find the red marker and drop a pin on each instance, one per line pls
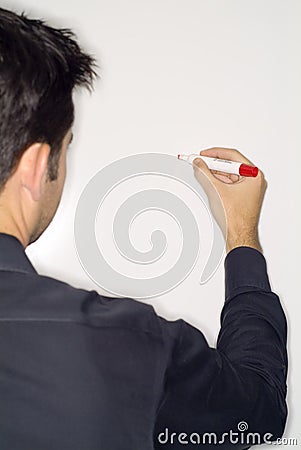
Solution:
(223, 165)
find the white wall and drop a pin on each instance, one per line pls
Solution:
(181, 76)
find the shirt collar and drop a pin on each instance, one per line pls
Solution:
(12, 255)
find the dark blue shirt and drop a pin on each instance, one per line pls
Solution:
(82, 371)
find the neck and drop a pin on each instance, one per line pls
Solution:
(14, 225)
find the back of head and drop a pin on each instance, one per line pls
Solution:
(39, 68)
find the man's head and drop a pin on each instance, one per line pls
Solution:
(39, 68)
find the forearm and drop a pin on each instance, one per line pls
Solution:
(253, 325)
(248, 293)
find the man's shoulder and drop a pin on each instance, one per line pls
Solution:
(46, 297)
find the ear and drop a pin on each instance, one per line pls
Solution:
(32, 168)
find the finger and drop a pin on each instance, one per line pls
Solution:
(200, 167)
(226, 153)
(204, 175)
(232, 176)
(228, 178)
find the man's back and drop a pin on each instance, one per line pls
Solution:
(78, 371)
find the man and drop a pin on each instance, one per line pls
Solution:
(80, 371)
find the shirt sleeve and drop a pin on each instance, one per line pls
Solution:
(233, 395)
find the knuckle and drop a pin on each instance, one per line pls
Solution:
(236, 151)
(260, 175)
(262, 179)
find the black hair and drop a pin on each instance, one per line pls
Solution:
(39, 68)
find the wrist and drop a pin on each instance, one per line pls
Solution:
(245, 238)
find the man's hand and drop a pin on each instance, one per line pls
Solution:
(241, 198)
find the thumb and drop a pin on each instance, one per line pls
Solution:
(212, 187)
(202, 173)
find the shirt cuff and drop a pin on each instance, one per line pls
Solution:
(245, 271)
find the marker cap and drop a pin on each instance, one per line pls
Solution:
(248, 171)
